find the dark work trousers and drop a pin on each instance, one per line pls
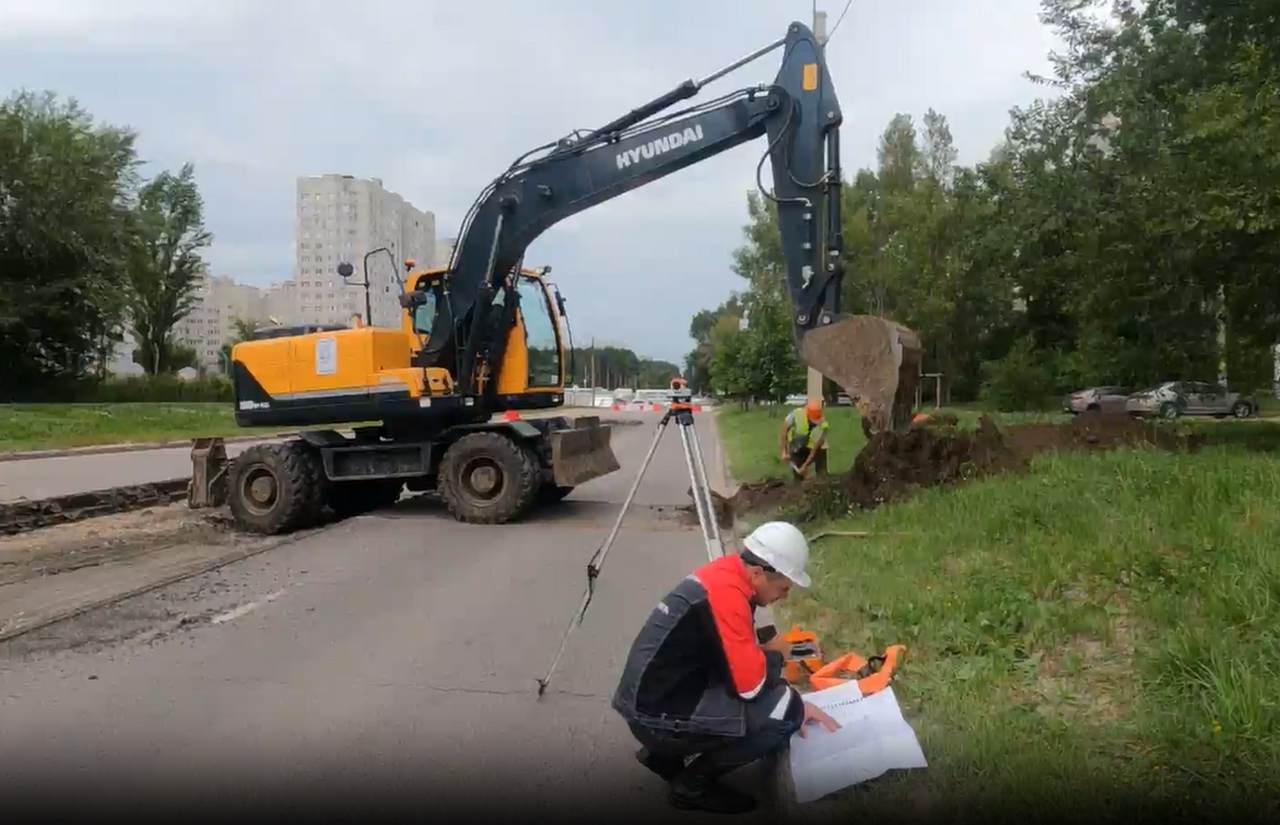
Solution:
(819, 464)
(725, 753)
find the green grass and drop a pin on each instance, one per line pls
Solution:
(1099, 632)
(751, 436)
(49, 426)
(751, 440)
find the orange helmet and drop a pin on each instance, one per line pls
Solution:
(813, 409)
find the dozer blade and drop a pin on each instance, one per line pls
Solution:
(582, 453)
(875, 360)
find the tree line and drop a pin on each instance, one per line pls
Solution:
(1124, 231)
(613, 367)
(88, 248)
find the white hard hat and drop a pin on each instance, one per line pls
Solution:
(783, 547)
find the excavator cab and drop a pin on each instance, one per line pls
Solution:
(532, 358)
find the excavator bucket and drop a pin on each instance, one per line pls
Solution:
(582, 452)
(875, 360)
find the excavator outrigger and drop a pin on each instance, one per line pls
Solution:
(467, 346)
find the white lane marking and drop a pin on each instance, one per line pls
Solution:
(236, 613)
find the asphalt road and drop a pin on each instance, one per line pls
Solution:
(390, 660)
(35, 478)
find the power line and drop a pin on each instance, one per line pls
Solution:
(838, 22)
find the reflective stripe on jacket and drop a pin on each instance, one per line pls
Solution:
(798, 427)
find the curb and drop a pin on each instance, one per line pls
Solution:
(730, 483)
(24, 515)
(127, 447)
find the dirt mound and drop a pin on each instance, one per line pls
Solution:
(1094, 431)
(892, 463)
(935, 453)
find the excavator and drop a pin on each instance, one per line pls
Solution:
(482, 336)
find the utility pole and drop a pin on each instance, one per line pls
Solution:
(813, 382)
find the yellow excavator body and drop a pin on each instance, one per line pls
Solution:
(347, 374)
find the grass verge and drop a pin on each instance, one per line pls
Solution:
(1098, 637)
(52, 426)
(751, 436)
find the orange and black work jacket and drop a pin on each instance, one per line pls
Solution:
(697, 662)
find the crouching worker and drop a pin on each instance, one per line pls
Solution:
(699, 691)
(802, 441)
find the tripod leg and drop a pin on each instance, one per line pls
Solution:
(706, 484)
(626, 504)
(700, 502)
(597, 559)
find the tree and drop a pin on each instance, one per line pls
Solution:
(65, 187)
(703, 329)
(1126, 230)
(242, 330)
(898, 155)
(167, 264)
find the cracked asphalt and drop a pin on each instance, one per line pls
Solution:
(386, 662)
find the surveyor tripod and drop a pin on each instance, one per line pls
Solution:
(680, 411)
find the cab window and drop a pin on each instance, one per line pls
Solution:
(539, 335)
(424, 315)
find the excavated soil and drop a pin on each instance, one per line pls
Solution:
(935, 453)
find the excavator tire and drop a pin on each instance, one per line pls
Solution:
(354, 498)
(275, 488)
(488, 478)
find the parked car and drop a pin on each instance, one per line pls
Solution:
(1097, 399)
(1174, 398)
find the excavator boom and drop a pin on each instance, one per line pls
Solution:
(875, 360)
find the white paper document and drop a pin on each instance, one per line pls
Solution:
(873, 738)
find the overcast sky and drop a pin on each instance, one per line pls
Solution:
(435, 98)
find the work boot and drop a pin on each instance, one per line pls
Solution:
(665, 766)
(696, 788)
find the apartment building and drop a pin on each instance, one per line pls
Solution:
(341, 218)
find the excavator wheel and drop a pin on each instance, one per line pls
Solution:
(274, 488)
(875, 360)
(488, 478)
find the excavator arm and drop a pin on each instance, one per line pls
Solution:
(876, 361)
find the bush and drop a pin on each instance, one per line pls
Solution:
(131, 389)
(1019, 381)
(161, 388)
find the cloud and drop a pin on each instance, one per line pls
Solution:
(437, 98)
